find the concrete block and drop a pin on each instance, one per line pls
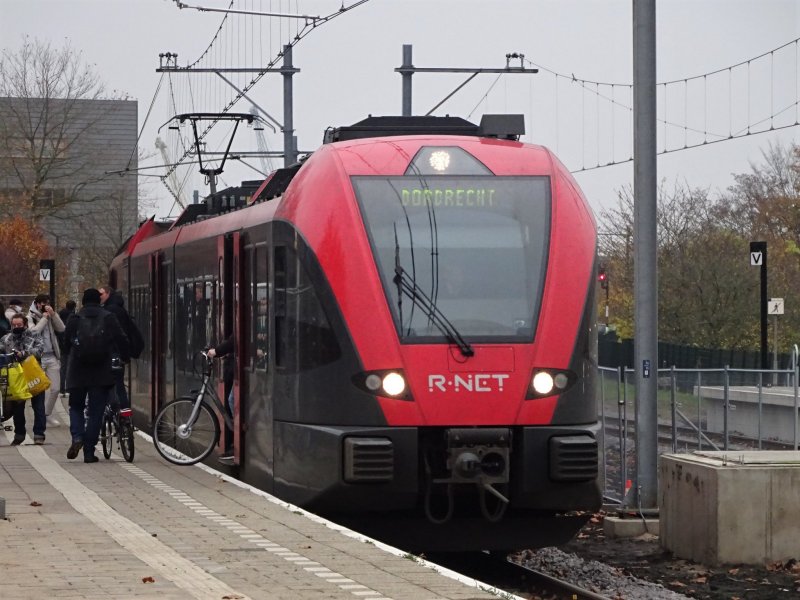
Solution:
(628, 527)
(730, 507)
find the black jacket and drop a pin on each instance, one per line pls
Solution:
(115, 304)
(64, 315)
(85, 376)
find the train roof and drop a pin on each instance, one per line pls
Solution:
(507, 127)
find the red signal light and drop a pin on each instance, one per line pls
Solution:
(602, 277)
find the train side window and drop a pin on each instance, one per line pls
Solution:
(211, 313)
(248, 296)
(261, 309)
(198, 314)
(181, 327)
(304, 338)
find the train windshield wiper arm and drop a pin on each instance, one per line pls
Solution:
(418, 297)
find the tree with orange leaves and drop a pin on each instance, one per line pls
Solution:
(22, 246)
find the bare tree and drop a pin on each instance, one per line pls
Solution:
(48, 143)
(704, 288)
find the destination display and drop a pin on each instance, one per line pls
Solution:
(449, 197)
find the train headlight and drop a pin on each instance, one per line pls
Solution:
(390, 383)
(547, 382)
(543, 383)
(373, 382)
(393, 384)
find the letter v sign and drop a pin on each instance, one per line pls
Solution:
(756, 259)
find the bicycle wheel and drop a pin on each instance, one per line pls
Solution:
(126, 438)
(181, 442)
(107, 434)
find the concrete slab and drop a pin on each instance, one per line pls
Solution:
(629, 527)
(731, 507)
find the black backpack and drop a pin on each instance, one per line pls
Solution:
(91, 342)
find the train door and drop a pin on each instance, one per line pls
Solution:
(231, 321)
(161, 369)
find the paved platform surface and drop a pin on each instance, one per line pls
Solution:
(113, 530)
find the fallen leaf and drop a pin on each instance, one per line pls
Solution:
(148, 580)
(733, 571)
(35, 503)
(700, 579)
(677, 584)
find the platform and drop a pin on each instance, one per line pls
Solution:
(769, 413)
(155, 530)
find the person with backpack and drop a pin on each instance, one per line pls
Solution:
(114, 303)
(93, 338)
(46, 322)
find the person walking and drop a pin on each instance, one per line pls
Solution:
(226, 349)
(92, 338)
(64, 314)
(24, 343)
(14, 307)
(46, 322)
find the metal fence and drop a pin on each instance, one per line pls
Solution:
(698, 409)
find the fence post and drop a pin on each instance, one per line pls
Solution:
(672, 390)
(796, 373)
(726, 404)
(622, 409)
(699, 410)
(760, 399)
(603, 424)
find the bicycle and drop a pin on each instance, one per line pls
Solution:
(186, 430)
(116, 424)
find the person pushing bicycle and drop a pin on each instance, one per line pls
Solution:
(227, 350)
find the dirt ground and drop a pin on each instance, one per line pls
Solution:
(644, 558)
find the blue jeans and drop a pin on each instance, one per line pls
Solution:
(39, 418)
(86, 428)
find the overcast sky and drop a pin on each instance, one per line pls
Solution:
(347, 70)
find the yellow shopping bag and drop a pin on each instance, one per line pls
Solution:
(37, 381)
(17, 385)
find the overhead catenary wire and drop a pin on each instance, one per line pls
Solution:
(696, 91)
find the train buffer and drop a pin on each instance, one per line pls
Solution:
(149, 529)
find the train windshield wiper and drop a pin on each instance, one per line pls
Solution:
(409, 287)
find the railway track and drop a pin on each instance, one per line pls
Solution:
(496, 570)
(687, 438)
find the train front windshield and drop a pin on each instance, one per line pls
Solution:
(471, 248)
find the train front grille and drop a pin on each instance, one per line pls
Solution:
(573, 458)
(368, 460)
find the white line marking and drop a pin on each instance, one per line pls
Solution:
(468, 581)
(248, 535)
(160, 557)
